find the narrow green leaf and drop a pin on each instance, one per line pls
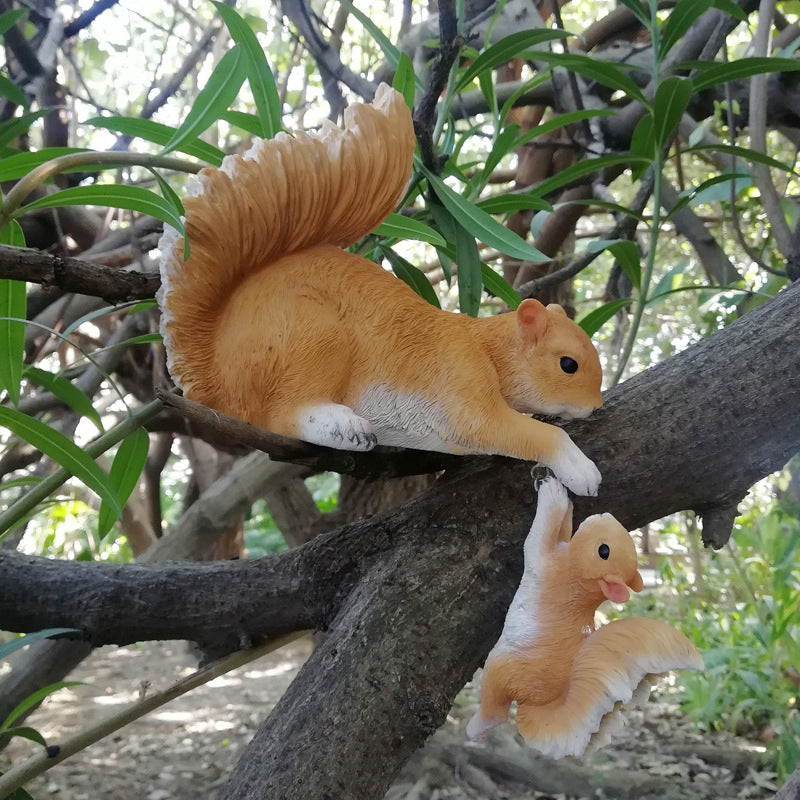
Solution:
(13, 305)
(730, 8)
(595, 320)
(497, 285)
(606, 72)
(672, 97)
(626, 254)
(668, 282)
(715, 189)
(24, 732)
(125, 471)
(65, 391)
(411, 275)
(133, 198)
(15, 483)
(13, 167)
(404, 80)
(396, 226)
(259, 75)
(158, 134)
(713, 73)
(503, 204)
(741, 152)
(214, 98)
(247, 122)
(681, 17)
(9, 18)
(507, 48)
(11, 91)
(583, 168)
(469, 274)
(61, 450)
(34, 699)
(639, 11)
(19, 642)
(16, 126)
(172, 199)
(480, 224)
(503, 144)
(561, 121)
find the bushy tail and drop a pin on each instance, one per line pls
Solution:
(282, 196)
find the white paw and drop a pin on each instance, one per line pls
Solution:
(477, 727)
(577, 472)
(552, 496)
(335, 425)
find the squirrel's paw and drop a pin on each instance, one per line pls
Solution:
(577, 472)
(335, 425)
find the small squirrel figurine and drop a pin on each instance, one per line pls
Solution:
(569, 679)
(271, 321)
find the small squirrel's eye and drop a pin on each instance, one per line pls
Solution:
(569, 365)
(604, 551)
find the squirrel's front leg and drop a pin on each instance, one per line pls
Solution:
(507, 432)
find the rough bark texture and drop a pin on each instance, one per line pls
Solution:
(413, 599)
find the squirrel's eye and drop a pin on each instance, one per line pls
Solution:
(604, 551)
(569, 365)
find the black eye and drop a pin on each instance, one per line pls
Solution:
(569, 365)
(604, 551)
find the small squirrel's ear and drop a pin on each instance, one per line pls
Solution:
(531, 318)
(556, 309)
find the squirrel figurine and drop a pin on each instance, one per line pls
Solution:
(570, 680)
(271, 321)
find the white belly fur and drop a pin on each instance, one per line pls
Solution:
(406, 419)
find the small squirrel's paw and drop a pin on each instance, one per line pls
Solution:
(335, 425)
(478, 727)
(551, 494)
(577, 472)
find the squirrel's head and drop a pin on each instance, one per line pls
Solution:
(602, 560)
(563, 368)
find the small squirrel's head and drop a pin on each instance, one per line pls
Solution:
(563, 369)
(602, 560)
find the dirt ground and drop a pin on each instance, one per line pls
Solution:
(185, 749)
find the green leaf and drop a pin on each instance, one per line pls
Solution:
(396, 226)
(411, 275)
(214, 98)
(506, 49)
(561, 121)
(9, 18)
(13, 305)
(502, 204)
(626, 254)
(18, 642)
(595, 320)
(13, 167)
(24, 732)
(12, 92)
(247, 122)
(16, 126)
(133, 198)
(730, 8)
(65, 391)
(469, 274)
(583, 168)
(606, 72)
(169, 195)
(125, 471)
(503, 144)
(497, 285)
(158, 134)
(639, 11)
(480, 224)
(713, 73)
(668, 283)
(643, 146)
(259, 75)
(682, 16)
(404, 80)
(741, 152)
(34, 699)
(61, 450)
(672, 97)
(715, 189)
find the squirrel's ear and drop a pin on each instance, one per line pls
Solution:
(556, 309)
(531, 319)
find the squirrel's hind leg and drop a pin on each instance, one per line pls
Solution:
(335, 425)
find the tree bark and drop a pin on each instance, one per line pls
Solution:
(413, 599)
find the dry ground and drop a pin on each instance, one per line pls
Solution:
(184, 750)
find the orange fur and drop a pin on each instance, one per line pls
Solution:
(271, 321)
(566, 677)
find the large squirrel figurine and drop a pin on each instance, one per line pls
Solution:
(571, 681)
(271, 321)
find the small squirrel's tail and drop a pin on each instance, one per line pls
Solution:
(282, 196)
